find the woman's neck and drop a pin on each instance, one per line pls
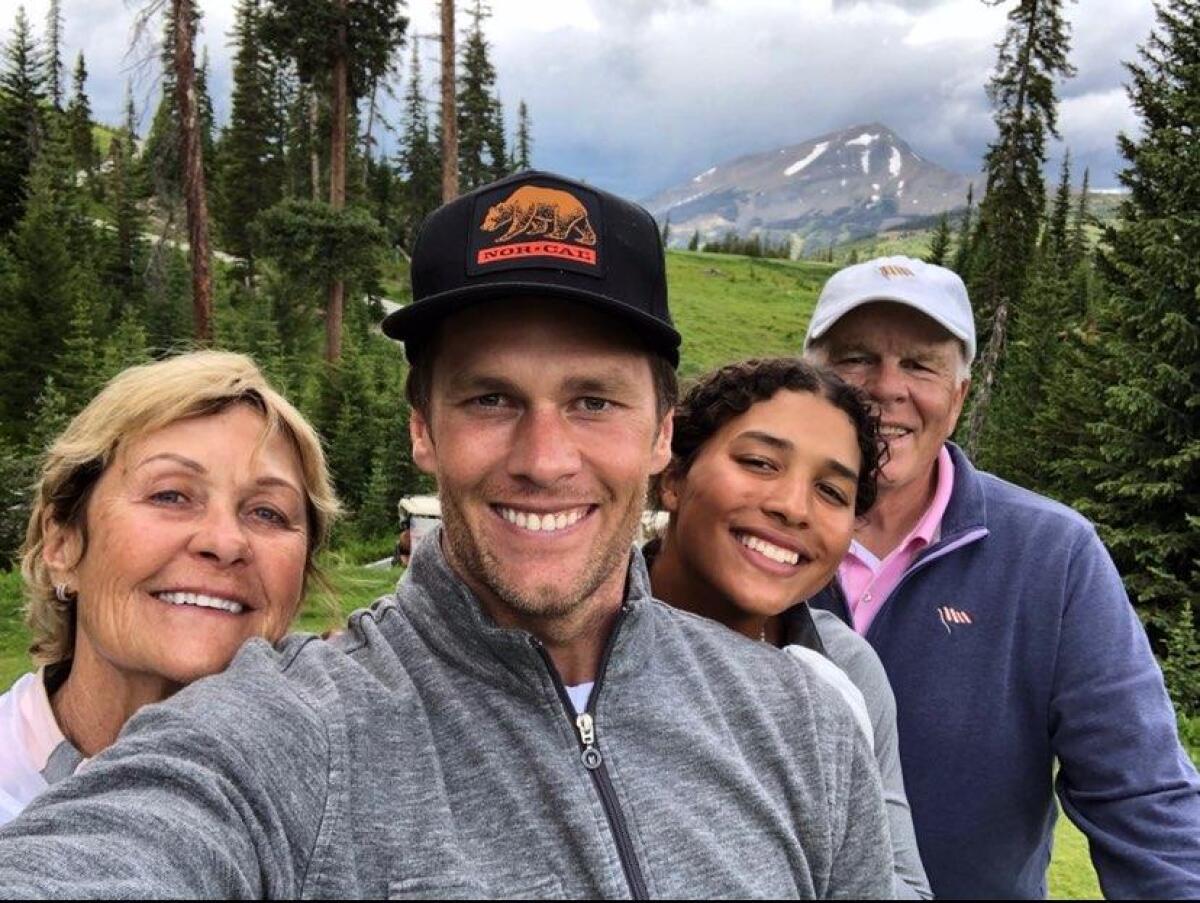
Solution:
(97, 698)
(672, 581)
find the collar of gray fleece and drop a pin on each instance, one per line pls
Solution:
(440, 606)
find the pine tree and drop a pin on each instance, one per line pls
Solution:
(1054, 238)
(1032, 54)
(939, 245)
(50, 249)
(666, 232)
(477, 108)
(418, 158)
(694, 241)
(1141, 465)
(79, 118)
(22, 93)
(250, 177)
(1077, 244)
(523, 156)
(497, 144)
(354, 44)
(122, 193)
(962, 248)
(53, 58)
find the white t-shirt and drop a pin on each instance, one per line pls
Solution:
(33, 751)
(580, 694)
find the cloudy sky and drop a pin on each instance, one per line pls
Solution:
(636, 95)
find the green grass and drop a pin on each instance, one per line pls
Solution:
(1071, 875)
(730, 307)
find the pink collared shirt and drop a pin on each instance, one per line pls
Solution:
(867, 581)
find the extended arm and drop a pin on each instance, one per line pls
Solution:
(200, 797)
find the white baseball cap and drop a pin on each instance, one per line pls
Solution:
(935, 291)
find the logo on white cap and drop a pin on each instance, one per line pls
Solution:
(891, 271)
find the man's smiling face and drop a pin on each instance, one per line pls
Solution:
(542, 432)
(913, 370)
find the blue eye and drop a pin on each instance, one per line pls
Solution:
(270, 515)
(168, 496)
(595, 405)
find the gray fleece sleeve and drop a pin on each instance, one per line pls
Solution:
(862, 861)
(215, 793)
(854, 655)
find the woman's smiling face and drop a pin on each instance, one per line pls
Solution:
(197, 540)
(765, 513)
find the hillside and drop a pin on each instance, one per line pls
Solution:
(730, 307)
(833, 188)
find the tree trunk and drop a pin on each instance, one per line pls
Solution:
(314, 156)
(368, 136)
(192, 153)
(449, 113)
(987, 378)
(339, 111)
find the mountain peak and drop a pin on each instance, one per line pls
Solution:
(841, 185)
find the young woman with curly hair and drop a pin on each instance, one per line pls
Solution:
(773, 462)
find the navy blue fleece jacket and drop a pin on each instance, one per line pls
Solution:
(1010, 643)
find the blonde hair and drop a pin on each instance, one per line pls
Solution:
(136, 402)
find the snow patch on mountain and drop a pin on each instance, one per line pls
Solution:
(896, 163)
(704, 175)
(866, 161)
(866, 139)
(799, 165)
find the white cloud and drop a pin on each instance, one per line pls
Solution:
(637, 94)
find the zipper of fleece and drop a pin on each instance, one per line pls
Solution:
(593, 761)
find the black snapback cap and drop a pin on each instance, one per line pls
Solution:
(535, 233)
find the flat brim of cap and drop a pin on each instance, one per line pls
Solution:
(416, 321)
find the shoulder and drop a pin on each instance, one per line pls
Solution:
(1011, 505)
(851, 652)
(786, 689)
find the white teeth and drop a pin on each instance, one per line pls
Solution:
(202, 601)
(543, 523)
(769, 550)
(894, 431)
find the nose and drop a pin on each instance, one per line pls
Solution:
(221, 537)
(887, 383)
(788, 502)
(544, 450)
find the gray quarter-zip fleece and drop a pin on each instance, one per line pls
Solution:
(428, 752)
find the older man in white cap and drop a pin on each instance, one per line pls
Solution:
(1002, 623)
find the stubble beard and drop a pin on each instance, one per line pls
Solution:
(548, 602)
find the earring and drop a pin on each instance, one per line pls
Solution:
(62, 593)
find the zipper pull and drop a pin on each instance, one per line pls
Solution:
(587, 734)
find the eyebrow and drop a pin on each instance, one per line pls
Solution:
(197, 467)
(177, 458)
(785, 445)
(609, 382)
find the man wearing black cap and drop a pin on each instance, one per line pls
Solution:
(520, 718)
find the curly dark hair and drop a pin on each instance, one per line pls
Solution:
(731, 390)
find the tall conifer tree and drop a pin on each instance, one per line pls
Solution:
(251, 170)
(1142, 463)
(420, 166)
(939, 245)
(79, 119)
(523, 150)
(22, 93)
(53, 59)
(1031, 56)
(478, 109)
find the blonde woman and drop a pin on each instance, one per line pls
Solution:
(177, 516)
